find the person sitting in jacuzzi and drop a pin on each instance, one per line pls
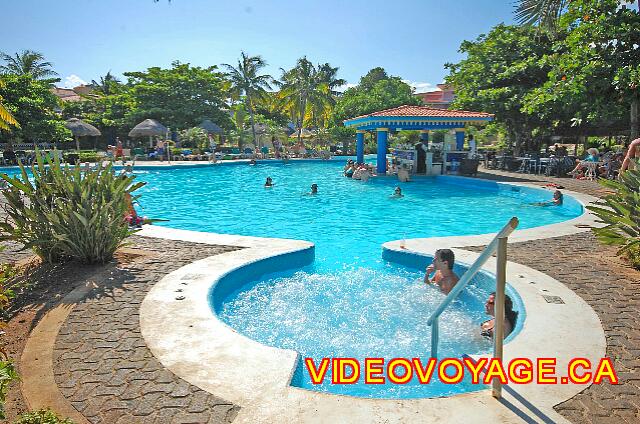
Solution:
(510, 316)
(444, 276)
(268, 183)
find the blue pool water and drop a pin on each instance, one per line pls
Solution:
(349, 302)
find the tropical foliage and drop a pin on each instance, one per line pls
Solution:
(179, 97)
(105, 85)
(33, 106)
(8, 372)
(246, 81)
(575, 74)
(376, 91)
(544, 13)
(620, 212)
(6, 118)
(500, 70)
(27, 62)
(42, 416)
(65, 213)
(193, 137)
(306, 94)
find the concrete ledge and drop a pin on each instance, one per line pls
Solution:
(190, 341)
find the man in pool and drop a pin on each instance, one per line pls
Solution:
(444, 276)
(268, 183)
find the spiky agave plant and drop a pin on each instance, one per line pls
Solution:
(620, 212)
(61, 212)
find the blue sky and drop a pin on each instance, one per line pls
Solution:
(412, 39)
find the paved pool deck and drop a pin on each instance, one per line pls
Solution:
(90, 359)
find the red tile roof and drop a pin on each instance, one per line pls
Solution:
(426, 112)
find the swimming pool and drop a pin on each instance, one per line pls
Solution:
(349, 302)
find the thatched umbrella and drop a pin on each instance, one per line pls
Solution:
(79, 128)
(149, 128)
(210, 127)
(305, 133)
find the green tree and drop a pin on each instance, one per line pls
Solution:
(33, 106)
(246, 81)
(106, 85)
(500, 70)
(329, 76)
(27, 62)
(179, 97)
(544, 13)
(193, 137)
(305, 94)
(602, 49)
(376, 91)
(344, 135)
(6, 118)
(113, 114)
(238, 118)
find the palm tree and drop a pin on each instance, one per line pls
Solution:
(329, 75)
(246, 81)
(105, 85)
(545, 13)
(305, 93)
(238, 115)
(27, 62)
(6, 118)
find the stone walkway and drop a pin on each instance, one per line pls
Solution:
(101, 362)
(104, 369)
(610, 287)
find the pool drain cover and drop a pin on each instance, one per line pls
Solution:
(553, 299)
(191, 276)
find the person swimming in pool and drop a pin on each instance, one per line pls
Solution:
(397, 193)
(556, 201)
(314, 189)
(269, 183)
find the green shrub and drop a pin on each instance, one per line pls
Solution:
(7, 375)
(43, 416)
(88, 157)
(633, 255)
(620, 212)
(67, 212)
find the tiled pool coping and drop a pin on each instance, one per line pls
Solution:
(191, 342)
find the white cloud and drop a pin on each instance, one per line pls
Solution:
(73, 81)
(421, 87)
(344, 88)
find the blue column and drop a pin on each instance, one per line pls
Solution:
(360, 146)
(424, 136)
(459, 138)
(381, 166)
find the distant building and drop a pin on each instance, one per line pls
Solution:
(73, 94)
(439, 99)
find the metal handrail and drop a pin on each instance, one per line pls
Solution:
(468, 275)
